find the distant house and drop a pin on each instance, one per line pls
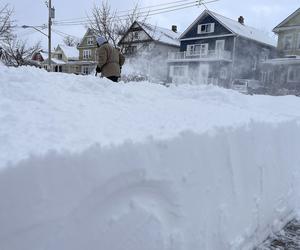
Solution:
(147, 47)
(284, 71)
(87, 52)
(216, 50)
(76, 60)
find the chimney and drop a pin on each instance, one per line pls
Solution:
(241, 20)
(174, 28)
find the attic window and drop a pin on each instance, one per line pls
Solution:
(206, 28)
(90, 41)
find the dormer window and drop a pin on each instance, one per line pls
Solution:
(90, 41)
(206, 28)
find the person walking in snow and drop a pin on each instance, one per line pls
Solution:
(109, 60)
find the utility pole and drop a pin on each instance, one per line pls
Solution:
(49, 34)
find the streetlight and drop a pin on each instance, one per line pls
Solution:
(51, 15)
(28, 26)
(49, 51)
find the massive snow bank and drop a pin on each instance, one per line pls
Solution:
(89, 164)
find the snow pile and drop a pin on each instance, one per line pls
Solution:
(89, 164)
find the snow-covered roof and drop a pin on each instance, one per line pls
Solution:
(70, 52)
(160, 34)
(44, 55)
(244, 30)
(54, 61)
(238, 28)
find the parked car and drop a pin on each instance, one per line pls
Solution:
(248, 86)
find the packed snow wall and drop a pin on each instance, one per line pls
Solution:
(224, 189)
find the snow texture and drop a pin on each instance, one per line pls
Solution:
(72, 53)
(90, 164)
(163, 35)
(245, 30)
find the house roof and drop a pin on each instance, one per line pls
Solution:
(295, 13)
(70, 52)
(54, 61)
(157, 34)
(236, 28)
(162, 35)
(89, 32)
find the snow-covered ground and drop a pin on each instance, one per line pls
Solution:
(89, 164)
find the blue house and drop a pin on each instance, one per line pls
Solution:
(216, 50)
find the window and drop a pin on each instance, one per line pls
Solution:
(136, 35)
(264, 75)
(223, 73)
(298, 41)
(87, 54)
(288, 42)
(178, 71)
(197, 49)
(90, 41)
(206, 28)
(294, 74)
(131, 50)
(254, 63)
(85, 70)
(59, 56)
(264, 55)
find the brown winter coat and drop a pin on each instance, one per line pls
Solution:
(110, 60)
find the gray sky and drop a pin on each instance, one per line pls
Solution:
(262, 14)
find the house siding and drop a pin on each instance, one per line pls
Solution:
(289, 28)
(248, 56)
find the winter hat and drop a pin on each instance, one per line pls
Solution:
(100, 40)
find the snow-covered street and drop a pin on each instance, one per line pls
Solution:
(90, 164)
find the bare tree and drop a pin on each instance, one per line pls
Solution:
(105, 22)
(6, 24)
(17, 53)
(70, 41)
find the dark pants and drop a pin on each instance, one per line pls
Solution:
(113, 78)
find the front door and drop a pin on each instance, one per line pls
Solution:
(203, 73)
(220, 45)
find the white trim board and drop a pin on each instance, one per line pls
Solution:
(206, 37)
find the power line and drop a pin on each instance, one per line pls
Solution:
(63, 34)
(123, 16)
(129, 10)
(143, 14)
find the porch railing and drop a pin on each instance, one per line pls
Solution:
(200, 55)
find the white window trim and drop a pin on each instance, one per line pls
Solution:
(190, 49)
(85, 68)
(88, 39)
(284, 41)
(289, 74)
(87, 54)
(223, 44)
(298, 42)
(212, 29)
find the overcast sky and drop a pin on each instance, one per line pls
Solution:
(262, 14)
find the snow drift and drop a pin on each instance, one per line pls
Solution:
(89, 164)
